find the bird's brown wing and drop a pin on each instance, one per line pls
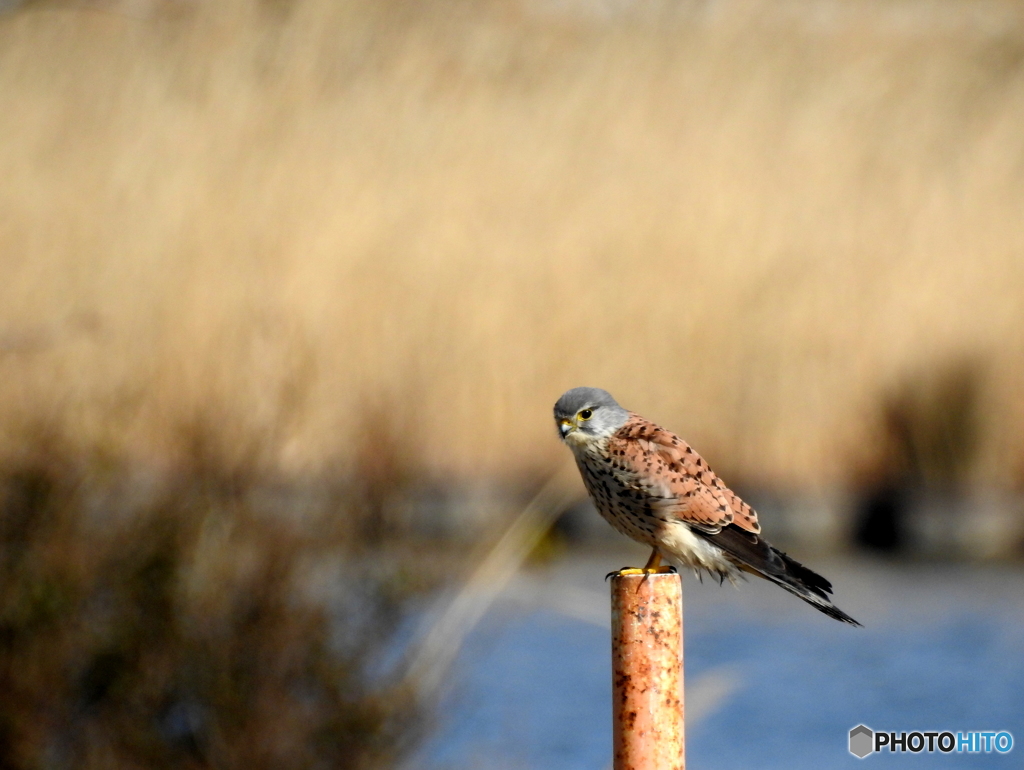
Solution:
(743, 516)
(675, 479)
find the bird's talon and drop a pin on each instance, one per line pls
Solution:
(627, 571)
(623, 571)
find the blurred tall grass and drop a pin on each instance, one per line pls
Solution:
(753, 221)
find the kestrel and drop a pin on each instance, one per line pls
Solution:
(651, 486)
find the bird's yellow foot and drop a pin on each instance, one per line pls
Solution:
(652, 567)
(645, 571)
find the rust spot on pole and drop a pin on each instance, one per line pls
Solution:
(647, 672)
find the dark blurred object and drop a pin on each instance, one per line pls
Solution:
(930, 448)
(190, 627)
(880, 525)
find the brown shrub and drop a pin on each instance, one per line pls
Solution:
(209, 619)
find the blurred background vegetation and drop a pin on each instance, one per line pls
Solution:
(290, 286)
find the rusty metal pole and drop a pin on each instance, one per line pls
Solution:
(647, 672)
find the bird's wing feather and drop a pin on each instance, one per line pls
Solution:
(677, 480)
(743, 515)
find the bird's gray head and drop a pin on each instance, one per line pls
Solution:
(585, 414)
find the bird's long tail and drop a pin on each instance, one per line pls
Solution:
(807, 584)
(758, 557)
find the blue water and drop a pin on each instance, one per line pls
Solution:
(943, 649)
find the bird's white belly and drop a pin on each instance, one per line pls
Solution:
(677, 541)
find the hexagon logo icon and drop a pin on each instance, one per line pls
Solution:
(862, 741)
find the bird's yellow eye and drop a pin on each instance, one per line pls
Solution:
(586, 414)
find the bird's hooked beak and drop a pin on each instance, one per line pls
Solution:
(566, 426)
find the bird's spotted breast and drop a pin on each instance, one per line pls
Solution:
(616, 498)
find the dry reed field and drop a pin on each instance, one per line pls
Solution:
(308, 223)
